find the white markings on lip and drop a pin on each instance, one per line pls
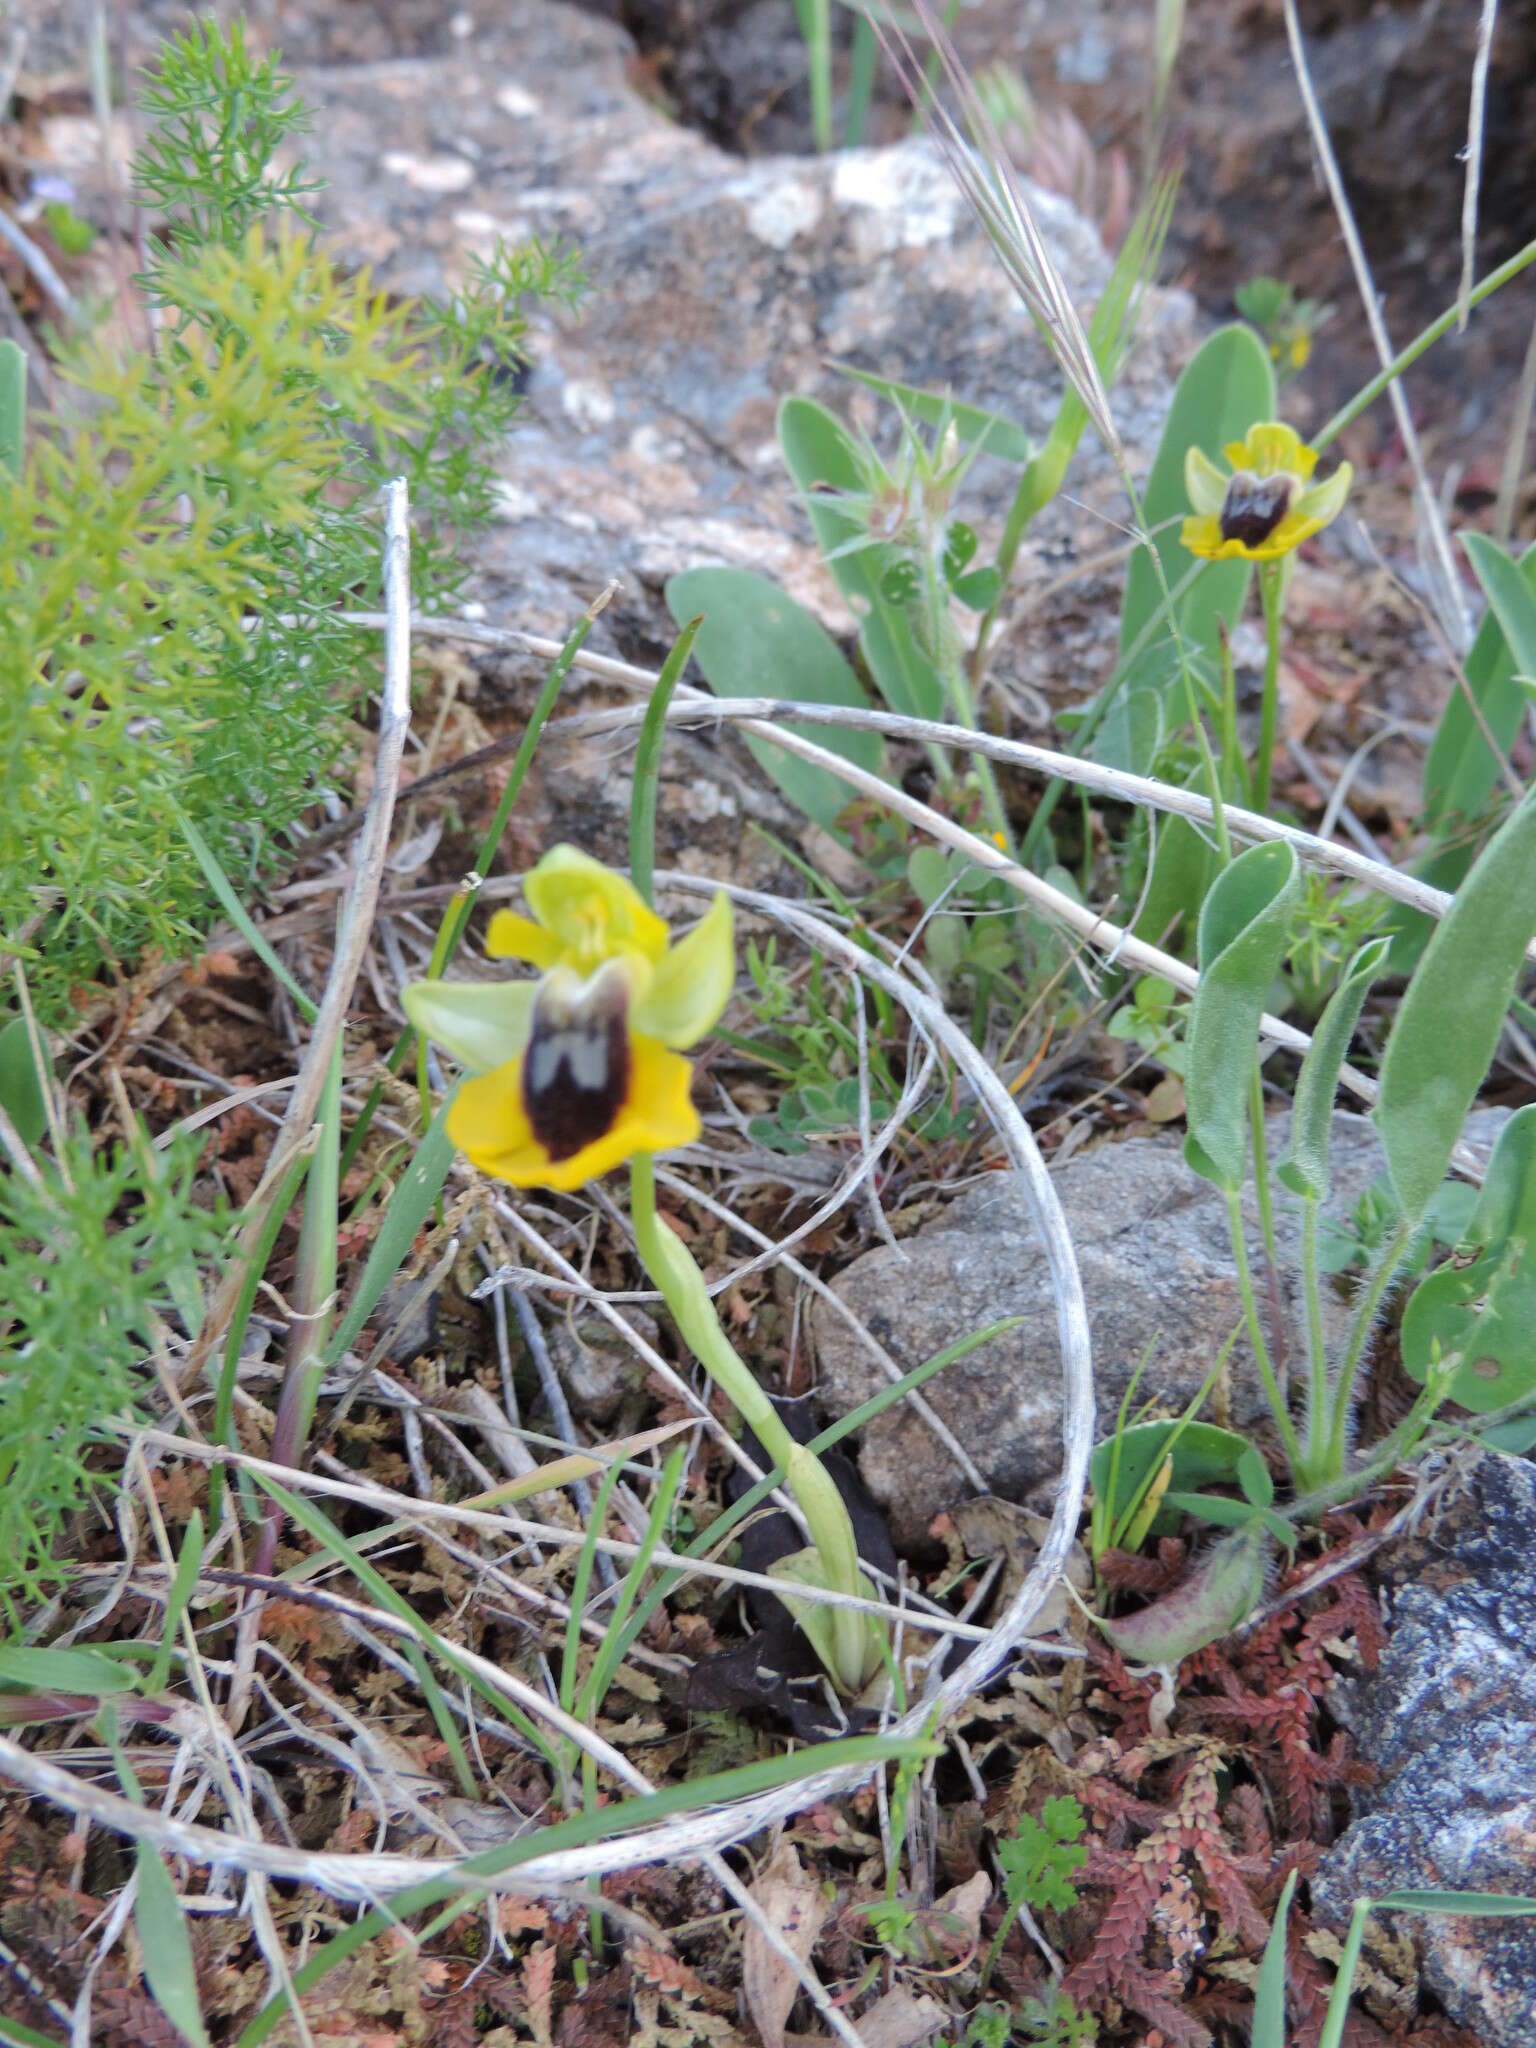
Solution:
(576, 1067)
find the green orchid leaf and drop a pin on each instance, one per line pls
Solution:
(1203, 1455)
(1485, 1311)
(409, 1207)
(30, 1669)
(757, 642)
(1216, 1597)
(1228, 386)
(1469, 1905)
(1253, 1476)
(1460, 769)
(1244, 924)
(1453, 1010)
(1306, 1171)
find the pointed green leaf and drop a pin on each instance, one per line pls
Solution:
(1244, 924)
(45, 1670)
(1449, 1020)
(1306, 1171)
(1228, 385)
(1468, 1905)
(409, 1206)
(1269, 1992)
(1460, 769)
(757, 642)
(1486, 1310)
(21, 1086)
(168, 1967)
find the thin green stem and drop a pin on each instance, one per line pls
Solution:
(1359, 1330)
(1272, 593)
(1369, 393)
(671, 1268)
(1234, 769)
(1261, 1164)
(1282, 1417)
(1317, 1356)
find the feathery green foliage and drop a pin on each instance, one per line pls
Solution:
(95, 1252)
(188, 528)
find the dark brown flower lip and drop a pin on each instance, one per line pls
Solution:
(576, 1066)
(1254, 506)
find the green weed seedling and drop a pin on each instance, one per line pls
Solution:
(1038, 1861)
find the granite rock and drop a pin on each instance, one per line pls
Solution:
(1153, 1246)
(718, 286)
(1449, 1721)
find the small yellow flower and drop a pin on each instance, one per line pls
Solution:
(576, 1072)
(1268, 505)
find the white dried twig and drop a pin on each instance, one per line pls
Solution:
(1469, 196)
(1449, 601)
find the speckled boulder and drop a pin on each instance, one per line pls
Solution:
(1449, 1721)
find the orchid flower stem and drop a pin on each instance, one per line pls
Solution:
(1282, 1416)
(1271, 591)
(1393, 1254)
(671, 1267)
(1317, 1356)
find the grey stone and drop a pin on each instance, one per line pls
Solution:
(596, 1367)
(718, 286)
(1449, 1721)
(1153, 1246)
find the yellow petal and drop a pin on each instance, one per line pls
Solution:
(1204, 484)
(1270, 448)
(1202, 535)
(1325, 501)
(593, 912)
(489, 1123)
(693, 982)
(482, 1023)
(511, 937)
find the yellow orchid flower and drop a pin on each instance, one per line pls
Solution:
(1268, 505)
(577, 1071)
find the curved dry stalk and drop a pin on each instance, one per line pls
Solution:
(695, 707)
(703, 1835)
(1118, 785)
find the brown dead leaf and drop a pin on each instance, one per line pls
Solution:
(538, 1989)
(989, 1527)
(965, 1904)
(1165, 1099)
(793, 1904)
(901, 2019)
